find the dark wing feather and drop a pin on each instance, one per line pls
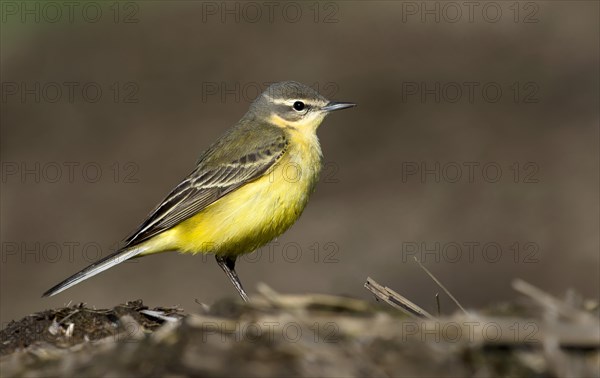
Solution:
(216, 175)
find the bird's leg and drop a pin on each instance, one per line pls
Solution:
(227, 263)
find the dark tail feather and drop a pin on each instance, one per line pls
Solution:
(97, 267)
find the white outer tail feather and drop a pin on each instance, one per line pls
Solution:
(97, 267)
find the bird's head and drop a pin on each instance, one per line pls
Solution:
(293, 105)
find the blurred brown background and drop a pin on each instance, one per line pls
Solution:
(106, 107)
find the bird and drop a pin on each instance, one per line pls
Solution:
(240, 195)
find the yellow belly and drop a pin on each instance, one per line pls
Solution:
(252, 215)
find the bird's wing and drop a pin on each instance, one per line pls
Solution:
(221, 169)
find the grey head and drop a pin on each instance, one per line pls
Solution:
(294, 102)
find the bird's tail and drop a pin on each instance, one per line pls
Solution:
(97, 267)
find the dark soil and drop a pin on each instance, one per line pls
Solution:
(284, 336)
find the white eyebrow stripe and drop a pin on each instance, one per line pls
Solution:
(279, 101)
(289, 102)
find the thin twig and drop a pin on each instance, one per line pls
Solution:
(551, 302)
(441, 286)
(159, 315)
(68, 316)
(396, 300)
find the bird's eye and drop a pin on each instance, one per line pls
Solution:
(298, 106)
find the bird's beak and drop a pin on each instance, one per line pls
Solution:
(337, 106)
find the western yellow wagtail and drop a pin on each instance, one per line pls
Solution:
(239, 197)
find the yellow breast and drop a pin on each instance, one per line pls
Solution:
(257, 212)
